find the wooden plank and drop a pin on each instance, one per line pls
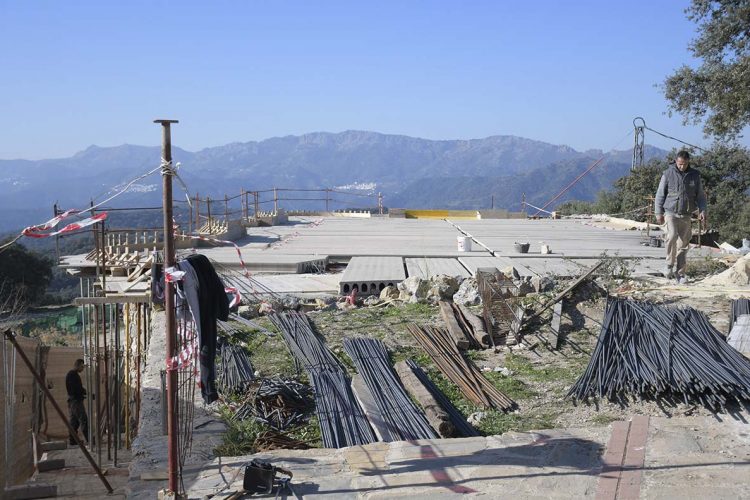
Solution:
(112, 299)
(436, 416)
(556, 320)
(367, 402)
(458, 335)
(477, 325)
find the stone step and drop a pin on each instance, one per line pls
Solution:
(29, 491)
(51, 464)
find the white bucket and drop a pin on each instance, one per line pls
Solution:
(464, 243)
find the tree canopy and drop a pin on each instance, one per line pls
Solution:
(718, 90)
(24, 275)
(725, 171)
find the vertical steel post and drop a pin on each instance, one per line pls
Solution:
(107, 402)
(275, 201)
(169, 261)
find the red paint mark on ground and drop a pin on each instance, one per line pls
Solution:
(441, 475)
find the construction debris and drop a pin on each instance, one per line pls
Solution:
(738, 274)
(663, 353)
(462, 372)
(280, 404)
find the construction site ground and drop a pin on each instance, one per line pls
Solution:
(549, 447)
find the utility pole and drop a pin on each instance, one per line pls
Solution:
(380, 203)
(169, 260)
(493, 202)
(275, 201)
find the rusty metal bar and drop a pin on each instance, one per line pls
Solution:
(169, 261)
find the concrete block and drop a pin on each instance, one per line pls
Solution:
(52, 464)
(54, 445)
(28, 491)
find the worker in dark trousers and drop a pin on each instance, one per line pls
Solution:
(76, 395)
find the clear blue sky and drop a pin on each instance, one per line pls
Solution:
(76, 73)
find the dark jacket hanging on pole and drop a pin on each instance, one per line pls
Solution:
(214, 305)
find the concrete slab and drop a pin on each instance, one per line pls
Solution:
(372, 274)
(427, 267)
(565, 237)
(300, 283)
(500, 263)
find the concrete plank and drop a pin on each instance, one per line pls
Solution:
(425, 268)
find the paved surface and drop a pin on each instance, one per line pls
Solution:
(690, 457)
(79, 480)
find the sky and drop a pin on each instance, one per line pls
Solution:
(73, 74)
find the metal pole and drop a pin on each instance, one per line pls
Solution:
(107, 401)
(275, 201)
(226, 209)
(12, 337)
(256, 195)
(169, 261)
(208, 212)
(327, 190)
(197, 213)
(243, 198)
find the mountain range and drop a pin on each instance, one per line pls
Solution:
(410, 172)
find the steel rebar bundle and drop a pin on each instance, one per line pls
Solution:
(462, 372)
(463, 427)
(235, 369)
(402, 419)
(662, 353)
(739, 307)
(280, 404)
(342, 421)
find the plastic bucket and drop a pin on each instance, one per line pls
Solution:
(464, 243)
(522, 247)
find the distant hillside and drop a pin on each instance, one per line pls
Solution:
(410, 172)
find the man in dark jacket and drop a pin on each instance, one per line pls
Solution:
(680, 193)
(76, 395)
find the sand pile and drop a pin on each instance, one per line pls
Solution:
(738, 274)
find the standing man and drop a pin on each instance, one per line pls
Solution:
(680, 193)
(76, 395)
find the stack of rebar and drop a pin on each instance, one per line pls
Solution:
(401, 419)
(235, 370)
(280, 404)
(463, 427)
(439, 345)
(342, 421)
(663, 353)
(739, 308)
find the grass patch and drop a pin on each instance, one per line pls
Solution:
(240, 436)
(510, 386)
(496, 422)
(603, 419)
(561, 374)
(706, 266)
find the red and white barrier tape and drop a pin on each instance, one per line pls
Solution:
(38, 231)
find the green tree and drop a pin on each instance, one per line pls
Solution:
(718, 90)
(24, 274)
